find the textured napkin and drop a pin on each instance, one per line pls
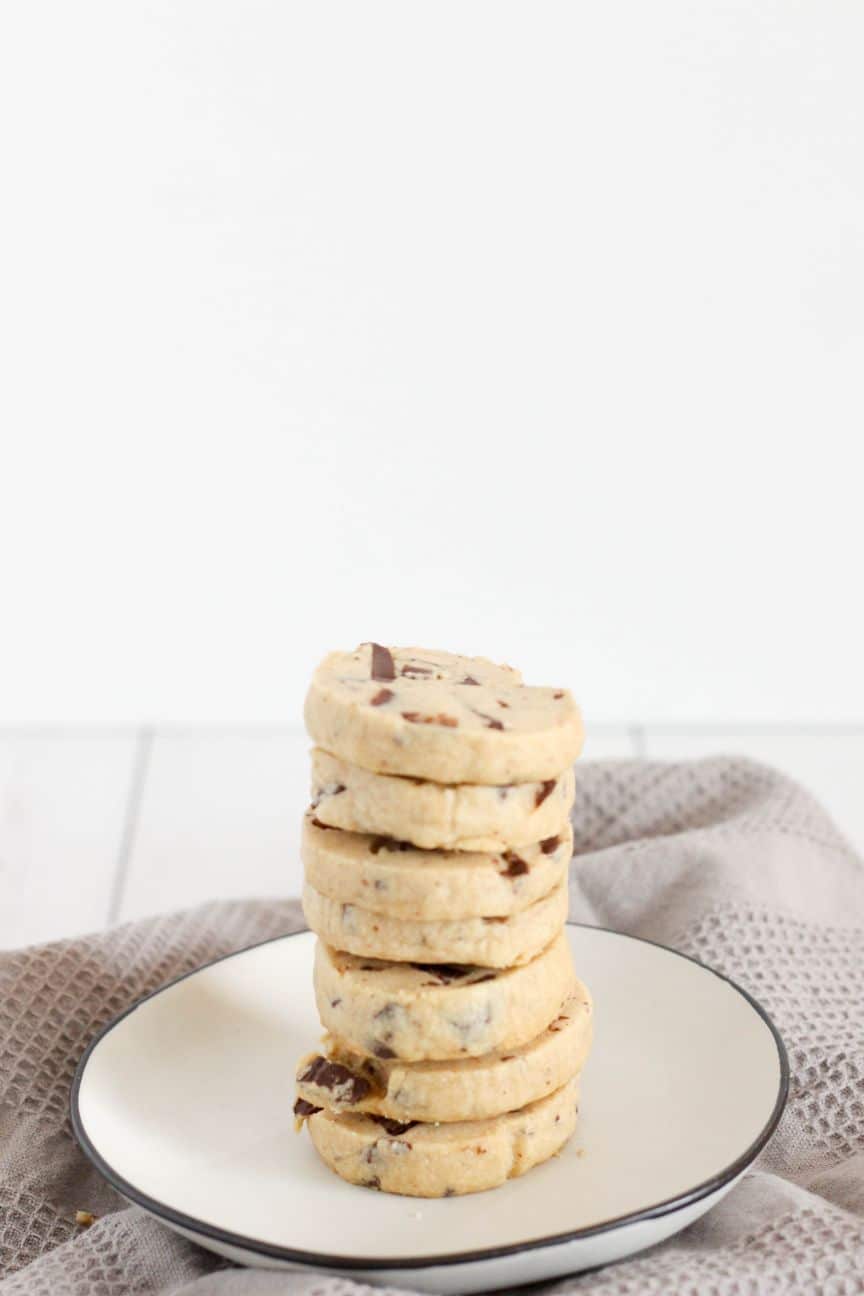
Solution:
(721, 859)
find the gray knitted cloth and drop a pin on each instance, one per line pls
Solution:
(721, 859)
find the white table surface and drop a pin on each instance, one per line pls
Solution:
(104, 826)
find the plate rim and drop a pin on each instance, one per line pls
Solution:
(324, 1260)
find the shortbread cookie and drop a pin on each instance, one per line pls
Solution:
(434, 816)
(423, 1160)
(417, 1011)
(435, 715)
(485, 942)
(470, 1089)
(397, 879)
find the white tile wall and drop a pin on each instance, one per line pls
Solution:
(219, 817)
(63, 819)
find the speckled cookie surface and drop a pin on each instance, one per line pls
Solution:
(465, 816)
(418, 1012)
(469, 1089)
(497, 942)
(402, 881)
(439, 716)
(422, 1160)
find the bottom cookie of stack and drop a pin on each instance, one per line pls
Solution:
(419, 1159)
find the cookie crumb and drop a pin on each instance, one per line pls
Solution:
(84, 1218)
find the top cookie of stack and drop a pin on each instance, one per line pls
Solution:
(439, 716)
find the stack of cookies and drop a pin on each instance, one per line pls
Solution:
(436, 852)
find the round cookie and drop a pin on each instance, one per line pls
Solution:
(395, 878)
(420, 1012)
(436, 816)
(439, 716)
(422, 1160)
(484, 942)
(467, 1089)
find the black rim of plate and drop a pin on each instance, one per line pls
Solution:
(322, 1260)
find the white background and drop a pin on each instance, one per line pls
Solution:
(534, 330)
(529, 329)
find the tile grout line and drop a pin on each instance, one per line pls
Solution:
(753, 729)
(664, 728)
(137, 782)
(636, 734)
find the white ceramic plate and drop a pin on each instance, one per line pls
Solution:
(184, 1104)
